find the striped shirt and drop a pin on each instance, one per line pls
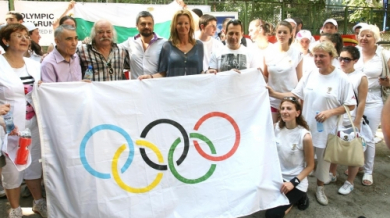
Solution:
(104, 70)
(28, 82)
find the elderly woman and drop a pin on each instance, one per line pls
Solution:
(181, 54)
(283, 66)
(371, 65)
(324, 91)
(18, 76)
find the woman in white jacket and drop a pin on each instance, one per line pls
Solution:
(17, 76)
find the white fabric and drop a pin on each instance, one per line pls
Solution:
(222, 59)
(372, 69)
(2, 50)
(259, 54)
(373, 115)
(355, 79)
(143, 62)
(209, 48)
(282, 73)
(308, 64)
(322, 168)
(75, 191)
(336, 63)
(291, 153)
(320, 93)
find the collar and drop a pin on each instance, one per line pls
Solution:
(58, 57)
(154, 39)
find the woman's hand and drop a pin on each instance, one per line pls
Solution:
(4, 109)
(271, 91)
(145, 77)
(384, 81)
(322, 116)
(286, 187)
(236, 70)
(356, 124)
(15, 131)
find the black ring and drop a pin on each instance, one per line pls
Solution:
(185, 138)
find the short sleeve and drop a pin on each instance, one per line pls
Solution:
(298, 91)
(164, 57)
(347, 95)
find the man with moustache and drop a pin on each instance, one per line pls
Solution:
(62, 64)
(107, 59)
(144, 48)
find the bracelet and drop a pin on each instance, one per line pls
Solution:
(295, 181)
(151, 76)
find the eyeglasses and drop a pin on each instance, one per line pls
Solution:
(20, 36)
(293, 99)
(346, 60)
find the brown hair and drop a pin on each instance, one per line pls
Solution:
(300, 120)
(289, 26)
(5, 32)
(264, 25)
(174, 38)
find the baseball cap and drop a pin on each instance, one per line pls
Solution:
(30, 26)
(359, 25)
(305, 34)
(331, 20)
(290, 21)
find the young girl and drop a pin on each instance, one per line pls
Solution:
(296, 156)
(283, 66)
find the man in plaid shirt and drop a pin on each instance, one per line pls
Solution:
(108, 61)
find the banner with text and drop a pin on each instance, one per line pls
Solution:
(190, 146)
(3, 10)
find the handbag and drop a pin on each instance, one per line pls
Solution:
(340, 151)
(385, 73)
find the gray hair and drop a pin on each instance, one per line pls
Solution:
(143, 14)
(93, 31)
(372, 28)
(60, 29)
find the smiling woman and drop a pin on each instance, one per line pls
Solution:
(182, 54)
(18, 76)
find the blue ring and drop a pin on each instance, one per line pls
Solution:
(89, 135)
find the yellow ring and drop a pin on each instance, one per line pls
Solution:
(119, 181)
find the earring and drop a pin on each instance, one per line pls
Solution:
(7, 45)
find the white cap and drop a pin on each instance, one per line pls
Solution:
(359, 25)
(30, 26)
(305, 34)
(332, 21)
(290, 21)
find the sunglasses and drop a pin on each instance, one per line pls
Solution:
(346, 60)
(293, 99)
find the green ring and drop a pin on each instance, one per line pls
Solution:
(172, 166)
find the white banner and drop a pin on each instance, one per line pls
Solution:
(42, 14)
(190, 146)
(3, 10)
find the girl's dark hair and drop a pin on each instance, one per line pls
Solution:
(335, 38)
(300, 120)
(64, 18)
(353, 51)
(288, 25)
(35, 47)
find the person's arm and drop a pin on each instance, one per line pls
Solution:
(56, 23)
(324, 115)
(4, 108)
(299, 70)
(47, 73)
(362, 95)
(280, 95)
(213, 65)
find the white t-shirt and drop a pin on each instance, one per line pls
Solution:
(308, 64)
(323, 92)
(210, 46)
(2, 50)
(227, 59)
(355, 79)
(282, 73)
(260, 54)
(291, 154)
(373, 70)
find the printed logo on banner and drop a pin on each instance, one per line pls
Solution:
(155, 149)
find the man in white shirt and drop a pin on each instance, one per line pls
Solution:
(329, 26)
(144, 49)
(208, 26)
(233, 55)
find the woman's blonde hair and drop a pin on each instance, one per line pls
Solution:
(327, 47)
(372, 28)
(174, 37)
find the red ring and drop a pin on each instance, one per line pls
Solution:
(236, 143)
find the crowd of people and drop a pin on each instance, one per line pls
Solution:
(309, 82)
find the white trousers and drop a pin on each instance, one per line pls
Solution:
(373, 114)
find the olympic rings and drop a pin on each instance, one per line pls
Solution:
(154, 148)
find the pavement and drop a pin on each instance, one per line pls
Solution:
(368, 201)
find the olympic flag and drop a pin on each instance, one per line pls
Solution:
(190, 146)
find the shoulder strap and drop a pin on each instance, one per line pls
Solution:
(385, 67)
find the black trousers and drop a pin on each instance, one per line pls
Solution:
(293, 196)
